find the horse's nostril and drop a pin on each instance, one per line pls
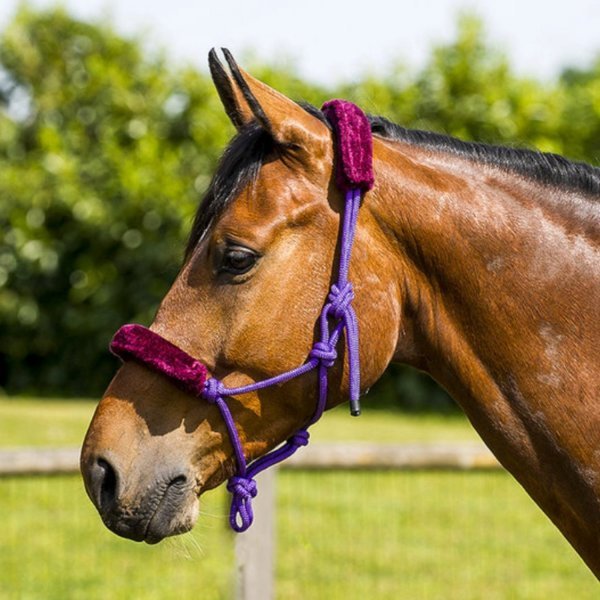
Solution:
(105, 483)
(178, 481)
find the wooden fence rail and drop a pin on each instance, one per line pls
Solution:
(347, 455)
(39, 461)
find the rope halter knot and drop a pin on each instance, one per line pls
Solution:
(242, 489)
(340, 300)
(324, 353)
(213, 390)
(300, 438)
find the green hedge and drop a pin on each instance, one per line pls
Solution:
(106, 147)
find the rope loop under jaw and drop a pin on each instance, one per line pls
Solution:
(242, 489)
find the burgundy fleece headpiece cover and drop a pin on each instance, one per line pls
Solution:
(139, 343)
(353, 145)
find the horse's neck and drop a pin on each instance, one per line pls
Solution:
(492, 275)
(500, 304)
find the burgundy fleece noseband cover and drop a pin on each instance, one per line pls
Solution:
(139, 343)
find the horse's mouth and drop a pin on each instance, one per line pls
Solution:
(171, 518)
(157, 532)
(171, 510)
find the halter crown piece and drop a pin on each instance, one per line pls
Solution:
(354, 176)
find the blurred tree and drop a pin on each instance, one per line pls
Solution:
(580, 112)
(99, 180)
(105, 149)
(468, 90)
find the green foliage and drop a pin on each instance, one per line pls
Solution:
(467, 89)
(105, 149)
(98, 185)
(579, 123)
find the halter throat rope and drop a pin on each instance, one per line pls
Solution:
(354, 177)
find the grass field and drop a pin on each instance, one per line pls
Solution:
(35, 422)
(351, 535)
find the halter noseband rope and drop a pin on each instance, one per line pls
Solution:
(354, 176)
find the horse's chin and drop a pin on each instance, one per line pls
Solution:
(169, 518)
(165, 523)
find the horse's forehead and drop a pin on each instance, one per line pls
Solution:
(278, 191)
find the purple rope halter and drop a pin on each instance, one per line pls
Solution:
(354, 176)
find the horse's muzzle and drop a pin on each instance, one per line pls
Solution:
(141, 509)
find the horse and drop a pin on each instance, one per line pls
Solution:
(477, 264)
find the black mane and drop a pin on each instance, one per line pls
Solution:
(239, 166)
(543, 167)
(242, 159)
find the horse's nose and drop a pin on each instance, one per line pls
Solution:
(104, 482)
(139, 504)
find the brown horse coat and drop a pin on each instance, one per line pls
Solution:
(480, 266)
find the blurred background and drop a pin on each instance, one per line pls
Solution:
(110, 130)
(107, 144)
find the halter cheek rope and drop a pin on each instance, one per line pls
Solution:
(354, 176)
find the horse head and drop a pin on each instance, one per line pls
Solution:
(246, 305)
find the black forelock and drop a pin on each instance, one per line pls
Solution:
(239, 166)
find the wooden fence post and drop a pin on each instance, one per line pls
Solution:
(255, 548)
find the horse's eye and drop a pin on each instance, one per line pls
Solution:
(238, 260)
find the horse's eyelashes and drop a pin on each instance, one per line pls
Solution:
(237, 260)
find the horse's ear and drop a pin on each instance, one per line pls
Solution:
(235, 105)
(287, 122)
